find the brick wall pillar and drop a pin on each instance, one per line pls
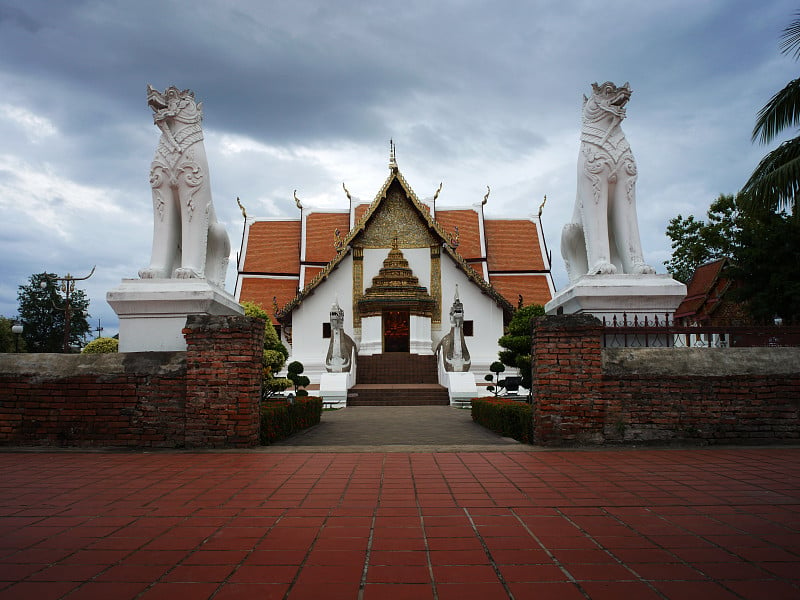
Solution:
(223, 380)
(568, 405)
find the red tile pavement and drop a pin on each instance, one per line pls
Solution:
(662, 524)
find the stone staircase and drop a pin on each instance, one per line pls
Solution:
(397, 379)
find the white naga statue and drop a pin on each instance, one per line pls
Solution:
(603, 237)
(340, 348)
(453, 345)
(188, 241)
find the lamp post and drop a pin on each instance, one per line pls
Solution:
(68, 287)
(16, 329)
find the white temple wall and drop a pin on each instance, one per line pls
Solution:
(308, 345)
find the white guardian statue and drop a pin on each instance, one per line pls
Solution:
(188, 241)
(603, 237)
(453, 345)
(340, 349)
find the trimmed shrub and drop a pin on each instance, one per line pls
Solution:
(101, 345)
(509, 418)
(280, 419)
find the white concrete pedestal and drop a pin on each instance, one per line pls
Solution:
(152, 312)
(333, 389)
(609, 296)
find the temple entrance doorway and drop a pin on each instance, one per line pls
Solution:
(396, 331)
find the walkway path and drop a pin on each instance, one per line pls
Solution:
(603, 524)
(398, 429)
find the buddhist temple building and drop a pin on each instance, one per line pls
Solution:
(396, 268)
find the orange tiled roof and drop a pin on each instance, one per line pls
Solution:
(504, 248)
(311, 272)
(273, 247)
(320, 227)
(261, 290)
(359, 211)
(534, 288)
(469, 233)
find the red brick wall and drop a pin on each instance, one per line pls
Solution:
(658, 395)
(567, 380)
(141, 399)
(223, 380)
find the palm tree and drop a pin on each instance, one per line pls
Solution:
(776, 179)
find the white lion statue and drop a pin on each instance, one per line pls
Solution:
(188, 241)
(603, 237)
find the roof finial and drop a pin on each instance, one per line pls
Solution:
(241, 207)
(347, 192)
(297, 201)
(392, 157)
(541, 206)
(486, 197)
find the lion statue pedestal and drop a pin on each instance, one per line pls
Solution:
(189, 258)
(601, 246)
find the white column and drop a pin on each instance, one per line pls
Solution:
(371, 336)
(420, 333)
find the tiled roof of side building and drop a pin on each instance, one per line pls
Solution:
(469, 233)
(513, 245)
(320, 228)
(262, 290)
(273, 247)
(704, 277)
(699, 287)
(534, 289)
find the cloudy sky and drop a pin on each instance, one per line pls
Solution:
(305, 95)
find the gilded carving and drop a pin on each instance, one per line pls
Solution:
(358, 283)
(396, 217)
(436, 285)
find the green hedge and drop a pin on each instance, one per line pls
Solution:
(509, 418)
(279, 419)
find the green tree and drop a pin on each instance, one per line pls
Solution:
(776, 179)
(275, 353)
(767, 269)
(517, 341)
(763, 248)
(41, 310)
(695, 242)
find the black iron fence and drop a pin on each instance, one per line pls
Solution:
(663, 333)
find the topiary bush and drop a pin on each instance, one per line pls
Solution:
(279, 419)
(294, 374)
(101, 345)
(509, 418)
